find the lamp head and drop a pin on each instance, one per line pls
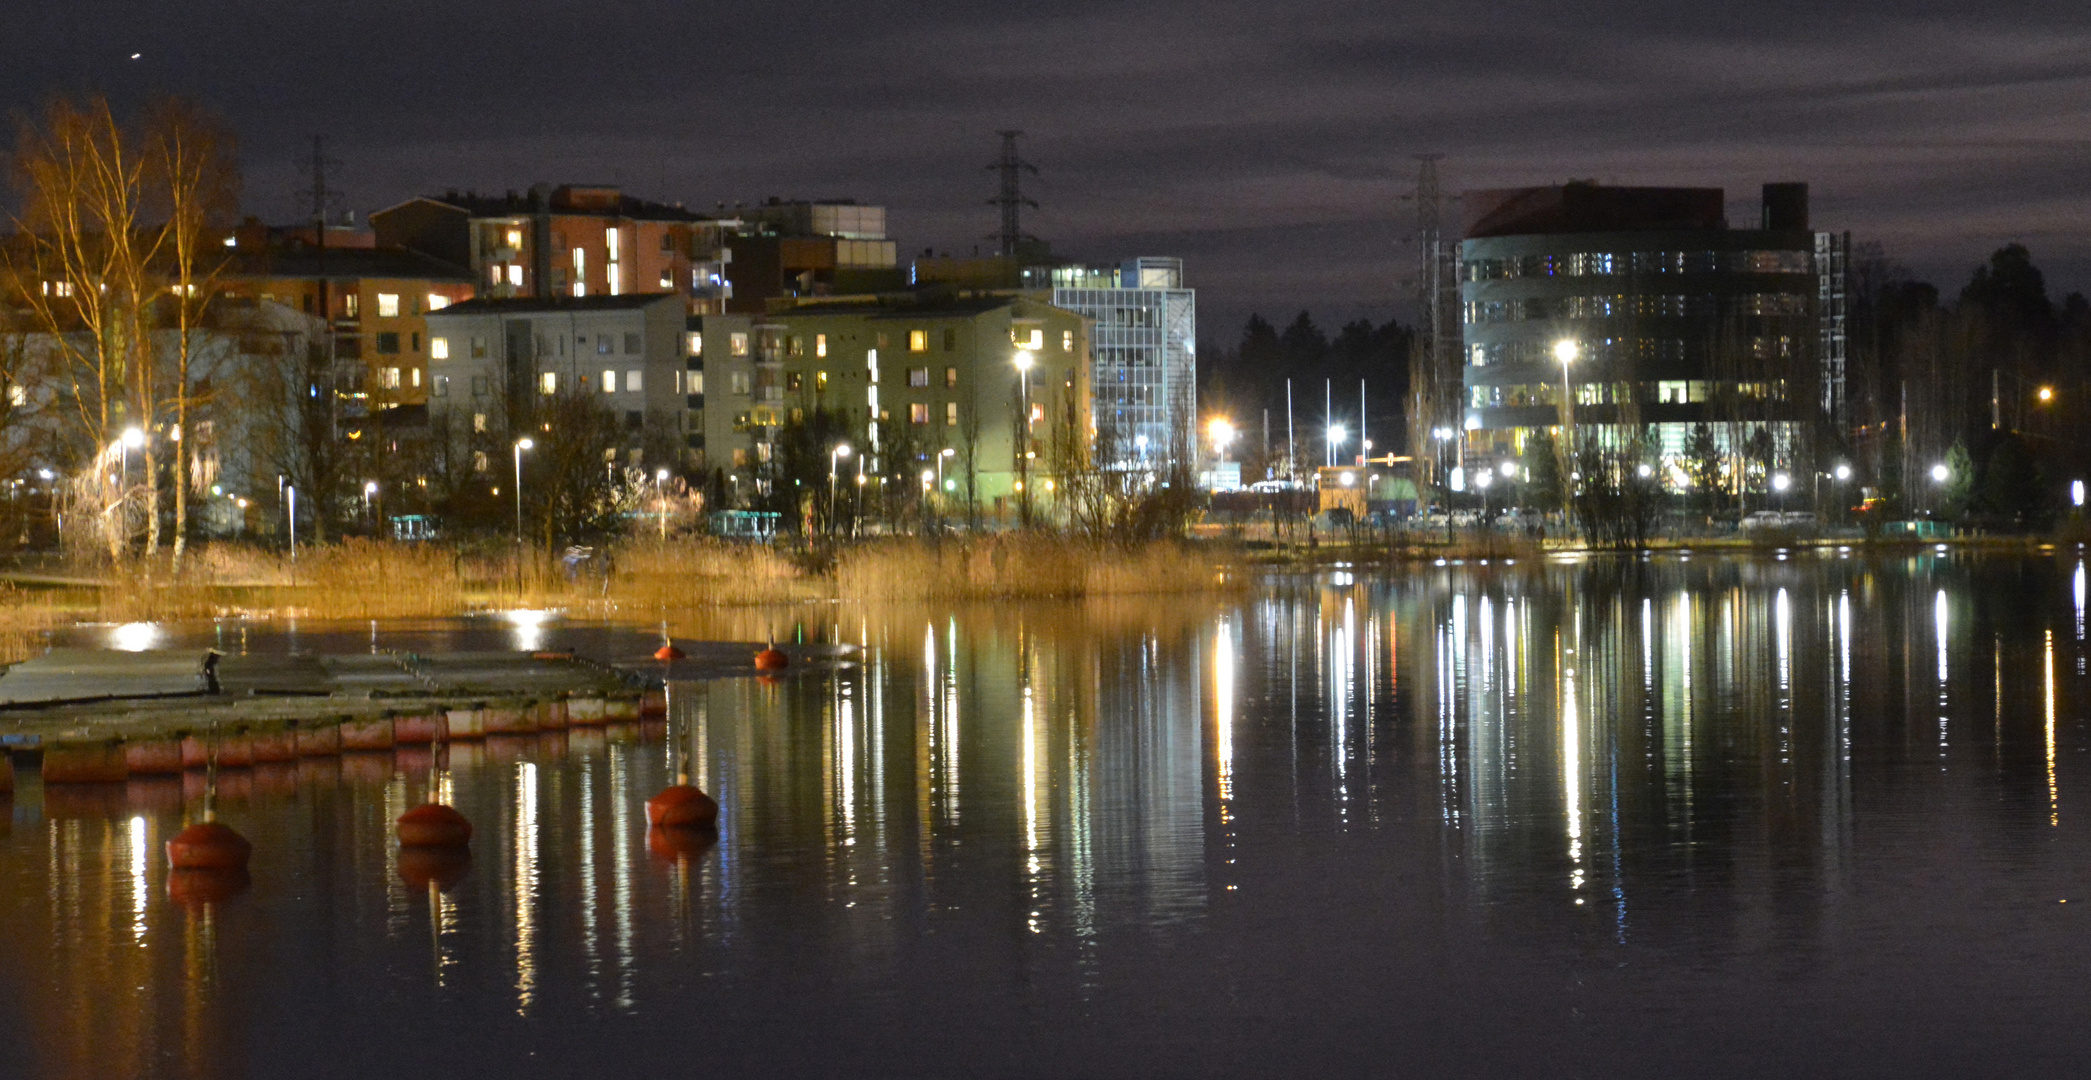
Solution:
(134, 437)
(1024, 359)
(1566, 351)
(526, 443)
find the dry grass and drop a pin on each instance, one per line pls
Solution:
(1014, 566)
(368, 579)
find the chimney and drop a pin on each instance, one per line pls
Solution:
(1786, 207)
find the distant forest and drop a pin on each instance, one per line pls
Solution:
(1248, 377)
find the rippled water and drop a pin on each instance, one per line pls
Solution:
(1679, 818)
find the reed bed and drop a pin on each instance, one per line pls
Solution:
(370, 579)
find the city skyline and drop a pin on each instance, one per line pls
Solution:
(1270, 154)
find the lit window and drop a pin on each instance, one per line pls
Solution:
(634, 381)
(548, 383)
(17, 395)
(479, 462)
(695, 381)
(1067, 341)
(739, 343)
(388, 305)
(1037, 412)
(918, 413)
(951, 414)
(918, 376)
(580, 261)
(515, 238)
(439, 348)
(609, 381)
(437, 303)
(820, 380)
(610, 242)
(580, 289)
(1036, 340)
(515, 274)
(415, 374)
(950, 378)
(820, 344)
(918, 341)
(349, 303)
(740, 383)
(479, 422)
(667, 279)
(604, 344)
(695, 345)
(493, 274)
(388, 378)
(616, 278)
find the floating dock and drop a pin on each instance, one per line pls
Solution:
(105, 716)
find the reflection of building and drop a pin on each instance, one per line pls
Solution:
(1676, 319)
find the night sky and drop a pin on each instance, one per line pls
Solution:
(1267, 143)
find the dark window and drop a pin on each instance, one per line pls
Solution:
(478, 386)
(388, 343)
(634, 419)
(604, 344)
(950, 339)
(792, 381)
(918, 376)
(631, 344)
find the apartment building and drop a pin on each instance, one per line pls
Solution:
(572, 241)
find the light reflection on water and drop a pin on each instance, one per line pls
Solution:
(1713, 817)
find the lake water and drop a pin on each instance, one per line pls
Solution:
(1681, 817)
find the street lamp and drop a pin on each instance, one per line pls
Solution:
(1024, 360)
(1335, 440)
(1842, 472)
(370, 492)
(521, 445)
(1939, 473)
(841, 450)
(660, 492)
(941, 455)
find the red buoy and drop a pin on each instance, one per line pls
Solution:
(196, 887)
(771, 659)
(208, 845)
(670, 842)
(668, 651)
(682, 806)
(442, 867)
(434, 825)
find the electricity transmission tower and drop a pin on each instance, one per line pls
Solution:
(1439, 348)
(1011, 198)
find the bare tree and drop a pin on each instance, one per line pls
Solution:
(191, 166)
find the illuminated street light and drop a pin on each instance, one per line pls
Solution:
(1781, 481)
(1939, 473)
(1566, 351)
(2047, 393)
(1843, 472)
(133, 437)
(521, 445)
(1644, 471)
(1335, 440)
(2076, 493)
(1222, 434)
(1508, 469)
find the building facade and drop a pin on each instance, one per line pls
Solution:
(490, 359)
(972, 387)
(572, 241)
(1143, 371)
(1637, 316)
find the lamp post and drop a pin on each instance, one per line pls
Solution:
(521, 445)
(1335, 440)
(841, 450)
(1024, 360)
(660, 492)
(370, 494)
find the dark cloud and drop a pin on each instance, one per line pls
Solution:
(1268, 143)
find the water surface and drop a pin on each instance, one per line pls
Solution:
(1701, 817)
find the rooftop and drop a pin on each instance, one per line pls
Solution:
(527, 304)
(343, 263)
(592, 200)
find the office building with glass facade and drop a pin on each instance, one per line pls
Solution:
(1638, 314)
